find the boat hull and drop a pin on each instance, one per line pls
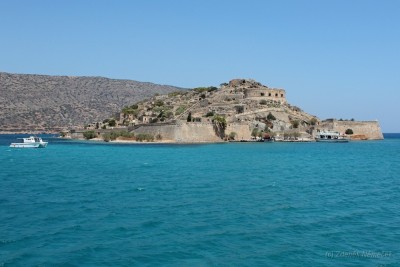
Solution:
(332, 140)
(29, 145)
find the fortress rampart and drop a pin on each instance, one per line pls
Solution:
(266, 93)
(370, 129)
(192, 131)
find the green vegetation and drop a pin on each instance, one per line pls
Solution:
(349, 132)
(115, 134)
(112, 123)
(144, 137)
(232, 136)
(263, 102)
(255, 132)
(220, 121)
(180, 110)
(131, 110)
(210, 114)
(175, 94)
(239, 109)
(159, 103)
(295, 124)
(205, 89)
(292, 135)
(271, 117)
(89, 134)
(313, 121)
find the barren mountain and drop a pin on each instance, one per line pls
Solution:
(49, 103)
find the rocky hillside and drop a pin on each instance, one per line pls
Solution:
(240, 102)
(48, 103)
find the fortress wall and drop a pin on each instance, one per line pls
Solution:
(193, 131)
(370, 129)
(242, 130)
(196, 132)
(167, 131)
(182, 132)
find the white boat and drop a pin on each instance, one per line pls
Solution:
(30, 142)
(331, 137)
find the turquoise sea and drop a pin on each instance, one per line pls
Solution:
(238, 204)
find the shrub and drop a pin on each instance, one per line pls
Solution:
(313, 121)
(210, 114)
(89, 134)
(295, 124)
(349, 131)
(159, 103)
(263, 102)
(174, 94)
(112, 123)
(179, 110)
(232, 136)
(239, 109)
(144, 137)
(271, 117)
(254, 133)
(220, 121)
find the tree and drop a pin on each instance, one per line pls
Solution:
(349, 131)
(313, 121)
(159, 103)
(295, 124)
(189, 117)
(271, 117)
(232, 136)
(112, 123)
(219, 125)
(89, 134)
(254, 133)
(210, 114)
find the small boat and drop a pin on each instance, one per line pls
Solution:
(30, 142)
(331, 137)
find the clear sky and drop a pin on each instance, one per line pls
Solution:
(336, 58)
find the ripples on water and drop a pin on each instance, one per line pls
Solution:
(244, 204)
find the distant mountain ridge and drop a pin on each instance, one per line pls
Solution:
(30, 102)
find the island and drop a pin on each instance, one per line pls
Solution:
(240, 110)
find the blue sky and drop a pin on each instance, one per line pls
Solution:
(334, 58)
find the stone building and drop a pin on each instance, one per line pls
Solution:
(266, 93)
(255, 90)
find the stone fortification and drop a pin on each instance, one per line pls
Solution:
(255, 90)
(187, 132)
(368, 129)
(240, 109)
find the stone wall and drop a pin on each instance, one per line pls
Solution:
(370, 129)
(187, 132)
(242, 130)
(266, 93)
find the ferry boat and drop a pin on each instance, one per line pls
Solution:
(331, 137)
(30, 142)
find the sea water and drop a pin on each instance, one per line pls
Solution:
(237, 204)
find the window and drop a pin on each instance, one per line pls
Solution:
(269, 94)
(262, 94)
(276, 94)
(281, 95)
